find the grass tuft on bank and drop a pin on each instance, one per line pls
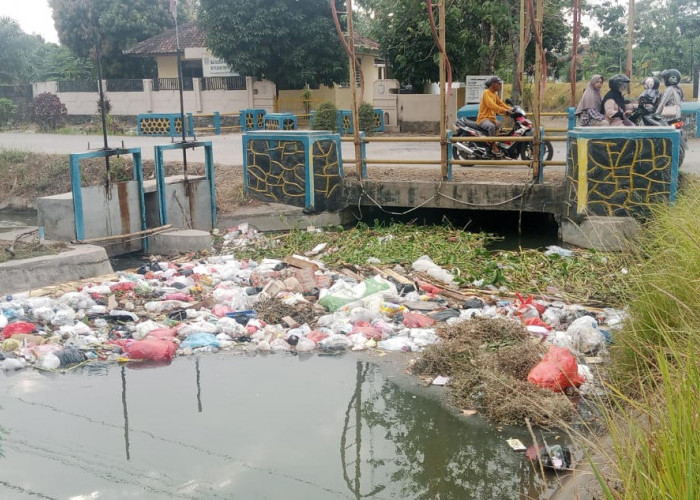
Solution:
(653, 419)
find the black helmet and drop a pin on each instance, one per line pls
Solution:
(617, 81)
(671, 77)
(492, 80)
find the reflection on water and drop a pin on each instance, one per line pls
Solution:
(11, 219)
(272, 427)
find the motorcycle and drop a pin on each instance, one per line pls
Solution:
(522, 126)
(644, 115)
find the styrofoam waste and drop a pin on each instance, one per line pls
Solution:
(425, 264)
(396, 344)
(556, 250)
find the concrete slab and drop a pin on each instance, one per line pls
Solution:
(276, 217)
(81, 261)
(179, 241)
(600, 233)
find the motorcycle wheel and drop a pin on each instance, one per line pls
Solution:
(681, 155)
(526, 152)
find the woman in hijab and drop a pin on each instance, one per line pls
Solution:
(615, 107)
(588, 110)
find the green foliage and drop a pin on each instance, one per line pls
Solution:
(480, 37)
(118, 25)
(288, 43)
(107, 106)
(326, 117)
(664, 288)
(366, 117)
(16, 49)
(8, 111)
(48, 111)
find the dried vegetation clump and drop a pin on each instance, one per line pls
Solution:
(488, 361)
(273, 311)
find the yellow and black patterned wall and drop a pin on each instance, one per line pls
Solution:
(276, 172)
(619, 175)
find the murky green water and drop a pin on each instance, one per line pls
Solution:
(235, 426)
(16, 219)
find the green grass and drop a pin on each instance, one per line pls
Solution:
(654, 422)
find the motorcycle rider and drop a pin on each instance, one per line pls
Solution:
(490, 106)
(670, 104)
(615, 108)
(588, 109)
(651, 94)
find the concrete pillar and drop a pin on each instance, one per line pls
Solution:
(148, 90)
(197, 87)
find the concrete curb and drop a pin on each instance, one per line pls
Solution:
(83, 261)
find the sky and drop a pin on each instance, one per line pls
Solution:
(33, 16)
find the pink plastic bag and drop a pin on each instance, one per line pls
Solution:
(417, 320)
(557, 370)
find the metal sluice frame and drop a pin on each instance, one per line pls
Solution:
(75, 176)
(160, 175)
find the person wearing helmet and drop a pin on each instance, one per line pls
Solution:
(615, 108)
(649, 98)
(588, 110)
(670, 104)
(490, 106)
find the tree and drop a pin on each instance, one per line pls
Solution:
(16, 49)
(118, 25)
(289, 42)
(481, 37)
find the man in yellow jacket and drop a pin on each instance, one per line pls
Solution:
(490, 106)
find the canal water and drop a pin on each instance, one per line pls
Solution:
(16, 219)
(241, 426)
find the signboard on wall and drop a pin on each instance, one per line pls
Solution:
(213, 66)
(475, 87)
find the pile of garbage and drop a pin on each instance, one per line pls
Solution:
(179, 308)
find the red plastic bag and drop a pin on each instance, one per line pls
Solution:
(536, 322)
(151, 350)
(17, 327)
(417, 320)
(557, 370)
(524, 304)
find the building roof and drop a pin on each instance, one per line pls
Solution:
(166, 43)
(191, 36)
(364, 43)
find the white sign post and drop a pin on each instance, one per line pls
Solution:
(475, 87)
(212, 66)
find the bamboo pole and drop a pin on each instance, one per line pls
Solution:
(353, 86)
(630, 38)
(443, 96)
(126, 235)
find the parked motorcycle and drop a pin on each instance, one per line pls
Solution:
(644, 115)
(522, 126)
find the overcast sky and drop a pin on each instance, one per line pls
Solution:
(33, 16)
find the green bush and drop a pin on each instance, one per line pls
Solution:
(367, 118)
(8, 111)
(325, 117)
(48, 111)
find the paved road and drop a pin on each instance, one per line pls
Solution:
(228, 148)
